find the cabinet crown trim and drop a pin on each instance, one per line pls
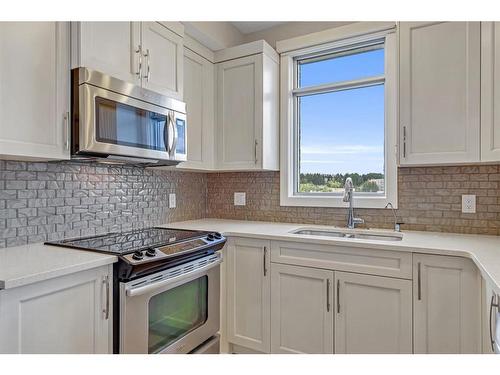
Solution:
(247, 49)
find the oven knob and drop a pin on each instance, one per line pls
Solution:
(217, 235)
(137, 255)
(150, 252)
(210, 237)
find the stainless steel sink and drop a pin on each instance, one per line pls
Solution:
(349, 234)
(313, 232)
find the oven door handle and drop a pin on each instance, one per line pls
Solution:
(132, 292)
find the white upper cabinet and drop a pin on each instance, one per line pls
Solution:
(490, 91)
(446, 305)
(109, 47)
(439, 92)
(199, 95)
(34, 90)
(247, 133)
(162, 59)
(145, 53)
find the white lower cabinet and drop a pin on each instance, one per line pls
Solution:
(373, 314)
(306, 305)
(446, 305)
(301, 310)
(248, 293)
(490, 303)
(68, 314)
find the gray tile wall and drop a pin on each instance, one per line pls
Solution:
(48, 201)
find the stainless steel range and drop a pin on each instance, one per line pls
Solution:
(166, 288)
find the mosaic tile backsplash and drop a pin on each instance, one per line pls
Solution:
(48, 201)
(429, 199)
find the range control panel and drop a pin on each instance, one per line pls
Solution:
(173, 250)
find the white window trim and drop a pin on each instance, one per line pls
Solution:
(287, 196)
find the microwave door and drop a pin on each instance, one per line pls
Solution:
(114, 124)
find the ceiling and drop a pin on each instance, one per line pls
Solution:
(251, 27)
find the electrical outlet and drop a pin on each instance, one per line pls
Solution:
(240, 199)
(469, 204)
(172, 200)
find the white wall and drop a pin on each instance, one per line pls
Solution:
(214, 35)
(290, 30)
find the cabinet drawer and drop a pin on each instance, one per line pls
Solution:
(343, 258)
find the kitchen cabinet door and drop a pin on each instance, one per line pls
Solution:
(490, 91)
(373, 314)
(248, 293)
(247, 110)
(199, 94)
(239, 102)
(34, 90)
(301, 310)
(489, 302)
(112, 48)
(446, 305)
(163, 52)
(68, 314)
(439, 92)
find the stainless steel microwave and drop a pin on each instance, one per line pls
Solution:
(117, 121)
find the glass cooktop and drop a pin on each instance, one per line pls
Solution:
(130, 241)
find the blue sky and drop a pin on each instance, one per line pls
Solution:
(343, 131)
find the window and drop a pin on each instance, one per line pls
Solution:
(339, 122)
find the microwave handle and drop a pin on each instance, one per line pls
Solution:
(169, 134)
(175, 136)
(165, 134)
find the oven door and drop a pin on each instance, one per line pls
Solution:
(172, 311)
(116, 124)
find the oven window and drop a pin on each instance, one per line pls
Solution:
(121, 124)
(176, 312)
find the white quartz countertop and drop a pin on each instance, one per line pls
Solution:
(483, 250)
(21, 265)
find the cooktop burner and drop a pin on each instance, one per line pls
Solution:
(130, 241)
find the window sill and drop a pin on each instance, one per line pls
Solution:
(329, 201)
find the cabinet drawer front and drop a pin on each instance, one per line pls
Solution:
(343, 258)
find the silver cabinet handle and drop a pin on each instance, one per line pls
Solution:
(419, 282)
(139, 70)
(147, 55)
(328, 295)
(338, 296)
(404, 141)
(264, 262)
(105, 311)
(67, 132)
(255, 151)
(497, 305)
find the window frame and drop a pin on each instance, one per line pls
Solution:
(290, 93)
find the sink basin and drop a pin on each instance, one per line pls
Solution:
(313, 232)
(349, 234)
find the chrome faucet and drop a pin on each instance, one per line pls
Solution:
(348, 190)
